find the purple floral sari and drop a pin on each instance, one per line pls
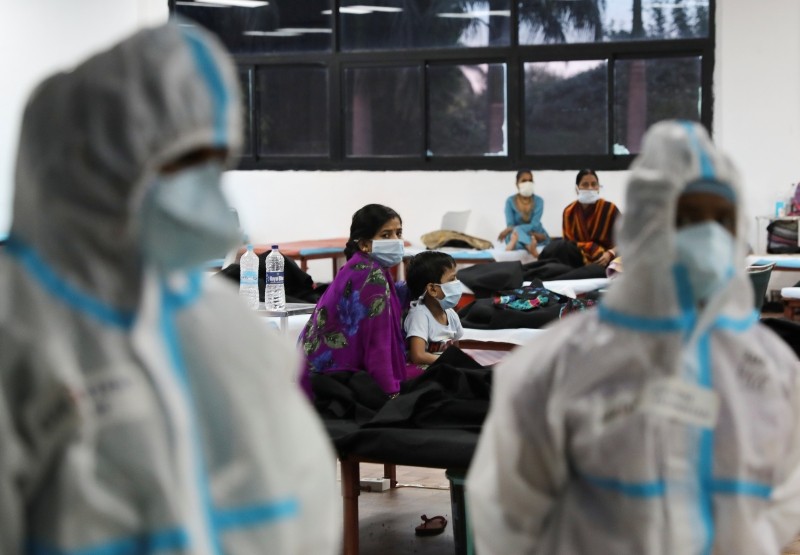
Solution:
(356, 326)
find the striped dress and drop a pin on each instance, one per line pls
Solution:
(590, 227)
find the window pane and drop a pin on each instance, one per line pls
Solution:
(647, 91)
(396, 24)
(467, 110)
(245, 80)
(566, 107)
(383, 114)
(275, 26)
(293, 104)
(575, 21)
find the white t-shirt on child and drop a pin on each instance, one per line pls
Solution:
(421, 323)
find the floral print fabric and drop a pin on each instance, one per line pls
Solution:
(530, 297)
(356, 326)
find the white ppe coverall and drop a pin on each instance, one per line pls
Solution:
(141, 413)
(646, 426)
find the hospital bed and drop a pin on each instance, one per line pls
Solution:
(476, 256)
(485, 346)
(333, 249)
(783, 262)
(450, 449)
(313, 249)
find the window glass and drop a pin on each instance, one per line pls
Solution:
(383, 111)
(293, 111)
(398, 24)
(647, 91)
(421, 79)
(467, 113)
(245, 83)
(581, 21)
(262, 27)
(566, 107)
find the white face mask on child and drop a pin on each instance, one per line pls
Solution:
(452, 294)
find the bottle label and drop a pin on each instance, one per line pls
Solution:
(274, 278)
(249, 277)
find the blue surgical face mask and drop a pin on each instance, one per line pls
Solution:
(706, 251)
(185, 220)
(452, 294)
(588, 196)
(388, 252)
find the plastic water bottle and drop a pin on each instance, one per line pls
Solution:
(274, 292)
(248, 278)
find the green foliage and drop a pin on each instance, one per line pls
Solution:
(672, 86)
(550, 18)
(565, 115)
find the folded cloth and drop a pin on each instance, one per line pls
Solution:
(447, 238)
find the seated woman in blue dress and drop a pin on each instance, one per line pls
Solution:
(524, 229)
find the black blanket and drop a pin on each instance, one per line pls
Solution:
(435, 421)
(531, 306)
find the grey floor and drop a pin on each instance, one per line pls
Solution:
(387, 519)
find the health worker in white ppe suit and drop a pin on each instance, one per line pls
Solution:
(142, 409)
(666, 421)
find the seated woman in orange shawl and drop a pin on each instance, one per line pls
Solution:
(590, 220)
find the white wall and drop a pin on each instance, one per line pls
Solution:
(757, 96)
(757, 120)
(321, 204)
(39, 37)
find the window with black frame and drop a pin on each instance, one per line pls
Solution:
(460, 84)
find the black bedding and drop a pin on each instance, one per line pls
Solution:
(435, 421)
(483, 314)
(484, 280)
(531, 306)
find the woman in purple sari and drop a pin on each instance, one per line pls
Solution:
(356, 323)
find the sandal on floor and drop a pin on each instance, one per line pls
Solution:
(431, 526)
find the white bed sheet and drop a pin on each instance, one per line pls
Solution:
(517, 336)
(574, 287)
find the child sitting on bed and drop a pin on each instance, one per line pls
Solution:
(432, 325)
